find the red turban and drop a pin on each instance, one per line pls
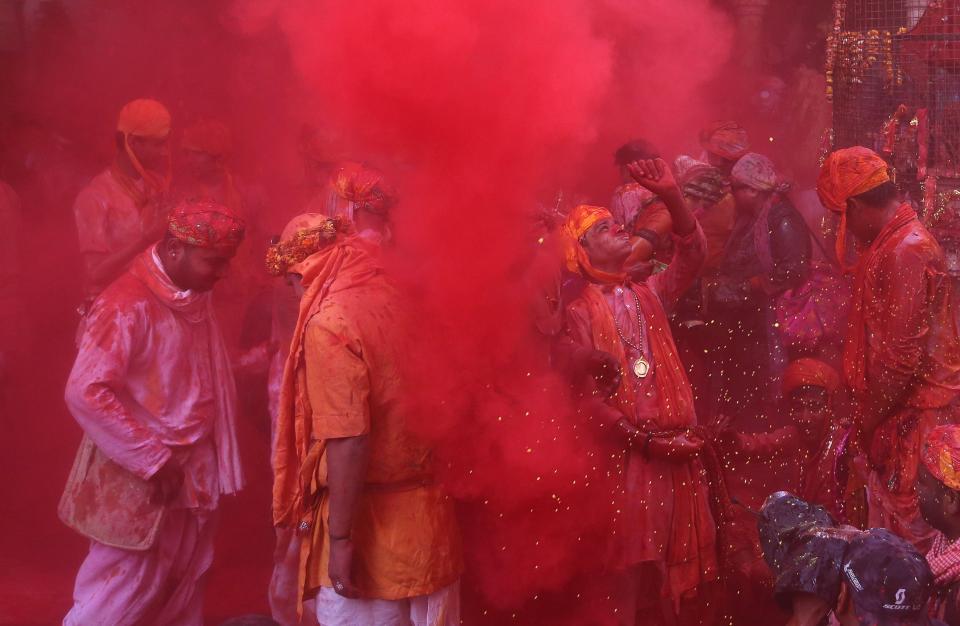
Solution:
(581, 219)
(847, 173)
(208, 136)
(725, 139)
(206, 224)
(810, 372)
(941, 455)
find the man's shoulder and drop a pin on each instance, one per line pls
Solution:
(96, 189)
(914, 244)
(126, 293)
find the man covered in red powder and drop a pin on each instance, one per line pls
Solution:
(665, 534)
(814, 445)
(902, 352)
(153, 391)
(380, 539)
(123, 209)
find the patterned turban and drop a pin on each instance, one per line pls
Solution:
(940, 454)
(144, 118)
(302, 237)
(847, 173)
(810, 372)
(756, 171)
(206, 224)
(725, 139)
(208, 136)
(701, 180)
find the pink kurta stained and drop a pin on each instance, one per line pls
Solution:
(152, 381)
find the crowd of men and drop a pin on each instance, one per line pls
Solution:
(706, 318)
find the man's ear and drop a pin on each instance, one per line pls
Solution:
(172, 246)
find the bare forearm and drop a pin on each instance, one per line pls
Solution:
(680, 214)
(347, 460)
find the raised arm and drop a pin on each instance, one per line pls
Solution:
(690, 246)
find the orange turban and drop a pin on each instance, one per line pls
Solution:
(208, 136)
(151, 120)
(941, 455)
(725, 139)
(810, 372)
(575, 259)
(144, 118)
(206, 224)
(847, 173)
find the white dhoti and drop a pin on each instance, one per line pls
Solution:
(440, 608)
(162, 586)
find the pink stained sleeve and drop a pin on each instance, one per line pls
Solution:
(96, 385)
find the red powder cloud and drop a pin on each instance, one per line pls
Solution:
(484, 103)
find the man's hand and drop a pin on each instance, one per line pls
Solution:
(720, 423)
(168, 481)
(340, 568)
(678, 449)
(605, 370)
(655, 175)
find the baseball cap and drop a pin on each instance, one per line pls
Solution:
(889, 581)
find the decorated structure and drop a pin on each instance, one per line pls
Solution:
(893, 75)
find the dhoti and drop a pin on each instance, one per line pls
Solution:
(161, 586)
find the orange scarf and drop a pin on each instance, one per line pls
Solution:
(855, 348)
(343, 265)
(674, 393)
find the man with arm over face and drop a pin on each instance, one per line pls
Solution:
(665, 534)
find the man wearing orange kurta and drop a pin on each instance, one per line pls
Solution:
(381, 544)
(123, 209)
(902, 352)
(153, 391)
(665, 536)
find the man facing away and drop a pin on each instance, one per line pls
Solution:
(123, 210)
(902, 352)
(380, 539)
(153, 391)
(666, 536)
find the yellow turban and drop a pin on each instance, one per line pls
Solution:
(581, 219)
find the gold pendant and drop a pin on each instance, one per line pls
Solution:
(641, 368)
